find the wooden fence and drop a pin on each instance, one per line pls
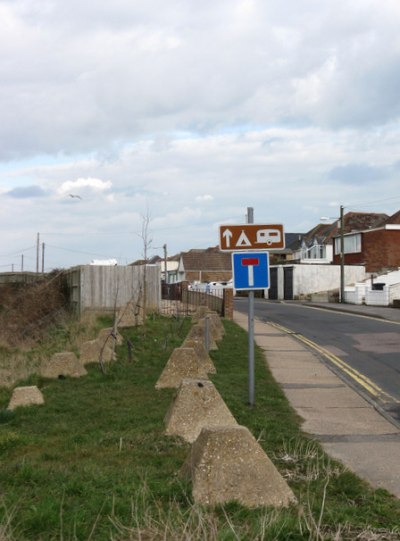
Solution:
(104, 288)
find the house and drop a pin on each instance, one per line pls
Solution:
(316, 246)
(376, 245)
(292, 242)
(172, 267)
(207, 265)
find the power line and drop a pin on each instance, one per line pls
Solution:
(373, 203)
(19, 252)
(77, 251)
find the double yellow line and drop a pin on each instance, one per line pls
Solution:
(359, 378)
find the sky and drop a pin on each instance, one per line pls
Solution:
(132, 124)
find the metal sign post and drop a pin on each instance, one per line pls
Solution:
(251, 348)
(250, 220)
(250, 267)
(250, 272)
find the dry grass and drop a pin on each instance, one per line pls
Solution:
(35, 323)
(28, 310)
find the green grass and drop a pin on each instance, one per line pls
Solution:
(93, 462)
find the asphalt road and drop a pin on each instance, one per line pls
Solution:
(365, 350)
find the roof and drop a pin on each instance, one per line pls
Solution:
(360, 221)
(394, 219)
(210, 259)
(322, 232)
(353, 221)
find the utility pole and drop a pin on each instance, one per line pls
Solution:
(250, 220)
(165, 264)
(22, 263)
(42, 257)
(37, 252)
(342, 254)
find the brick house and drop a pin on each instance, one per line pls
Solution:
(209, 265)
(377, 247)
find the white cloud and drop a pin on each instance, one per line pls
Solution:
(84, 186)
(195, 111)
(204, 198)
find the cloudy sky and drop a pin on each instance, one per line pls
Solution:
(187, 112)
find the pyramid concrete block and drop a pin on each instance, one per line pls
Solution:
(25, 396)
(182, 364)
(90, 352)
(215, 318)
(214, 330)
(201, 312)
(197, 332)
(130, 315)
(227, 463)
(196, 405)
(64, 363)
(201, 353)
(108, 335)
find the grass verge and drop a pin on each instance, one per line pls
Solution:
(93, 462)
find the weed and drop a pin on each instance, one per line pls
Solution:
(94, 463)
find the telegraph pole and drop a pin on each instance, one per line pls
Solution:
(341, 253)
(165, 264)
(37, 252)
(42, 257)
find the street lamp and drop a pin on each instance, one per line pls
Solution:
(341, 230)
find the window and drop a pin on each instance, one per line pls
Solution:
(352, 244)
(315, 252)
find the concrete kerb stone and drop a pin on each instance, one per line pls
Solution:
(25, 396)
(64, 363)
(183, 363)
(227, 463)
(197, 404)
(202, 354)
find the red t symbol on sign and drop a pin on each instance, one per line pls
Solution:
(250, 263)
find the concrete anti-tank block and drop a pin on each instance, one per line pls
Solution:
(130, 315)
(183, 363)
(197, 332)
(197, 404)
(90, 352)
(108, 335)
(227, 463)
(64, 363)
(201, 353)
(25, 396)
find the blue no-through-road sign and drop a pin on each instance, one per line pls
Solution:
(250, 270)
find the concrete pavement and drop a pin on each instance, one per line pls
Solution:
(348, 426)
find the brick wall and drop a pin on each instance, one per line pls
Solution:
(380, 250)
(228, 303)
(208, 276)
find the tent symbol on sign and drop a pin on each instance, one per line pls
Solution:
(243, 240)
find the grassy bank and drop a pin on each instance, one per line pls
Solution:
(93, 463)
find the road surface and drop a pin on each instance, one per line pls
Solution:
(365, 350)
